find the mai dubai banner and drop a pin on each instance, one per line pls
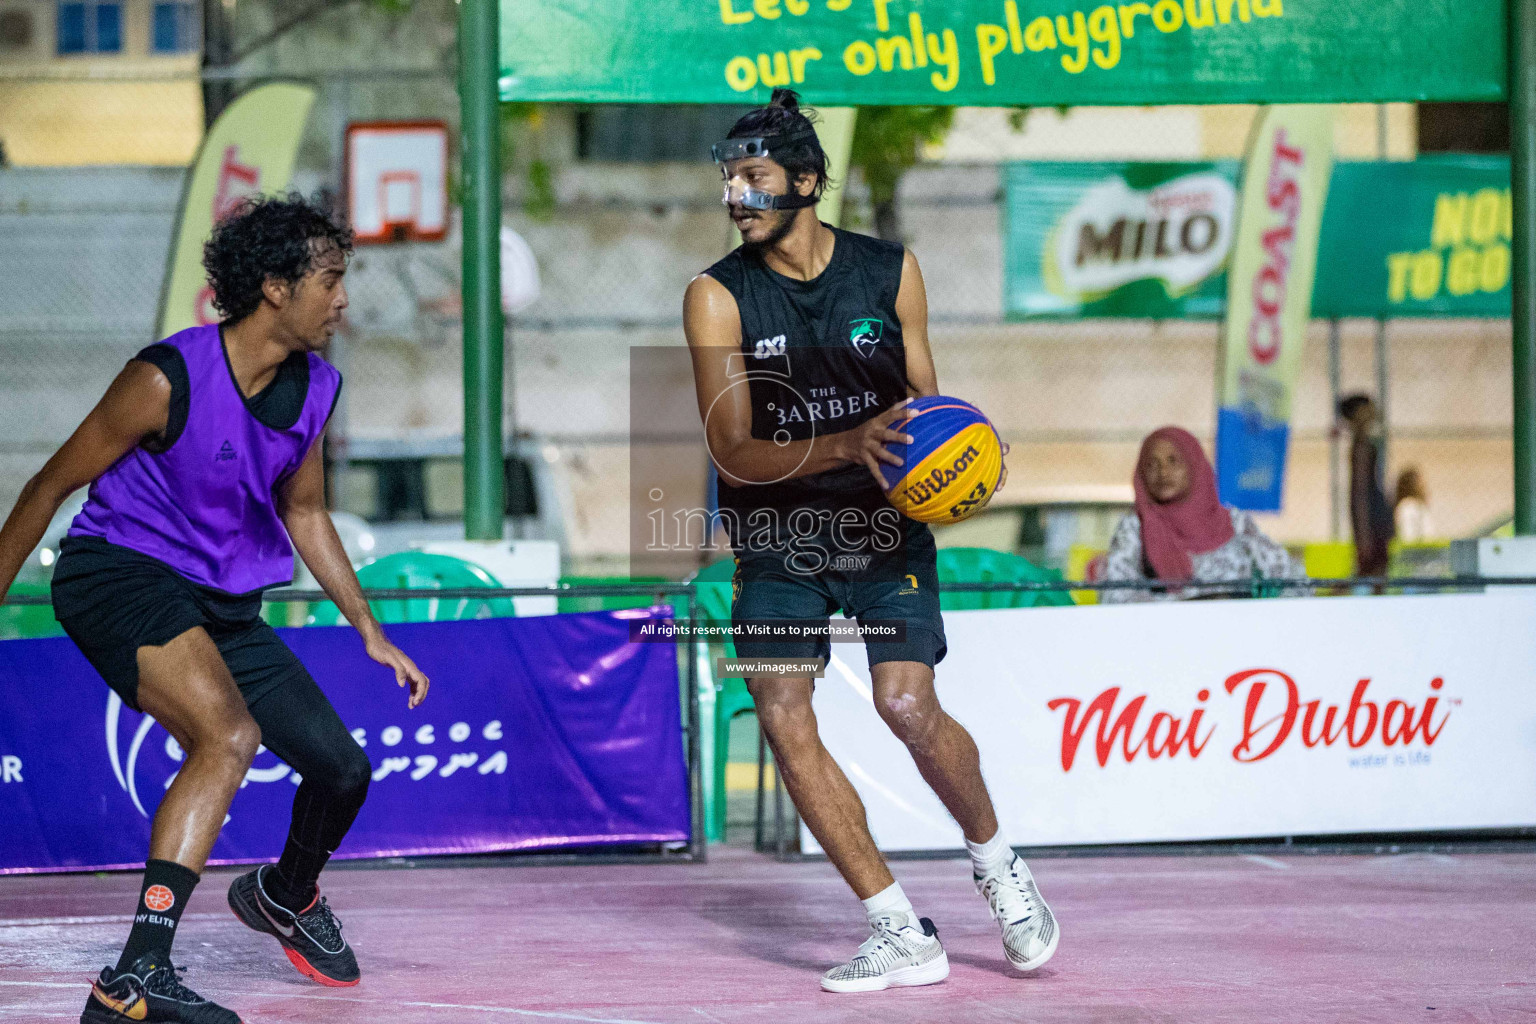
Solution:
(1269, 300)
(1216, 720)
(1427, 237)
(558, 732)
(1002, 52)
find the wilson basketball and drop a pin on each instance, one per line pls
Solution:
(952, 467)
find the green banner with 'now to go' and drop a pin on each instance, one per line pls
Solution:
(1002, 52)
(1430, 237)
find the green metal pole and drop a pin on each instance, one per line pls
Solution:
(480, 172)
(1522, 152)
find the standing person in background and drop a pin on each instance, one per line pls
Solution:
(1180, 532)
(1370, 514)
(1410, 510)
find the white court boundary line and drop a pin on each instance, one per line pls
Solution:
(1269, 862)
(546, 1014)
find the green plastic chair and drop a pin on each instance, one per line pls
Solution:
(983, 565)
(24, 622)
(417, 570)
(731, 698)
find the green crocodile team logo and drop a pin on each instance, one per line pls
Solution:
(864, 334)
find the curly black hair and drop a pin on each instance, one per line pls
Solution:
(267, 237)
(783, 116)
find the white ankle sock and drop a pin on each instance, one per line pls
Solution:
(992, 855)
(888, 902)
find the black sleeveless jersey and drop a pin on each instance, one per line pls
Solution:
(820, 357)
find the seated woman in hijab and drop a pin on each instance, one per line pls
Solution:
(1180, 533)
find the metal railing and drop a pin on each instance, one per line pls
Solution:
(1239, 588)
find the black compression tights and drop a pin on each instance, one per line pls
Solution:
(300, 726)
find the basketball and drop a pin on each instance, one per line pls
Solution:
(952, 467)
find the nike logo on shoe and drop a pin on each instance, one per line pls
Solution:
(134, 1009)
(285, 929)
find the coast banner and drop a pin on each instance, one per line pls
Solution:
(1269, 300)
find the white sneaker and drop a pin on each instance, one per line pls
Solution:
(898, 952)
(1029, 928)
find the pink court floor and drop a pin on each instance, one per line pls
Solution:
(1412, 937)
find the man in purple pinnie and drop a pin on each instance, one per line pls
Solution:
(205, 473)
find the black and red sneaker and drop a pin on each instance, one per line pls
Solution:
(312, 938)
(150, 992)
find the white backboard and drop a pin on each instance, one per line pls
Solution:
(397, 180)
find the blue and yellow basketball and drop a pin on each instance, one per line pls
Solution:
(952, 467)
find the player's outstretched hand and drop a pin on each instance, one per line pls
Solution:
(406, 672)
(867, 442)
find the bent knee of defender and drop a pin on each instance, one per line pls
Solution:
(233, 741)
(354, 774)
(344, 772)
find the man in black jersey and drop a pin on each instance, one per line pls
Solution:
(807, 342)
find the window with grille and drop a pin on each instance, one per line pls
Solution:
(95, 27)
(174, 28)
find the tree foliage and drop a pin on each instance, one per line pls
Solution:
(889, 141)
(523, 122)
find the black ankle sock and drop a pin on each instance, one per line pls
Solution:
(162, 898)
(292, 881)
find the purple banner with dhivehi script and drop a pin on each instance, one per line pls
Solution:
(546, 732)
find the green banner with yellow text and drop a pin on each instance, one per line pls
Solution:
(1002, 52)
(1426, 238)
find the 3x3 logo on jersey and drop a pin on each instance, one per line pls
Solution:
(767, 348)
(864, 334)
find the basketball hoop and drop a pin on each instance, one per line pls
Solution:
(397, 181)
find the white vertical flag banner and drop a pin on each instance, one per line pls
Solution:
(1269, 300)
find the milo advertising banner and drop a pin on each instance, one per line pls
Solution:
(1118, 239)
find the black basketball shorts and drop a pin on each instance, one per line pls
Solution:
(897, 586)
